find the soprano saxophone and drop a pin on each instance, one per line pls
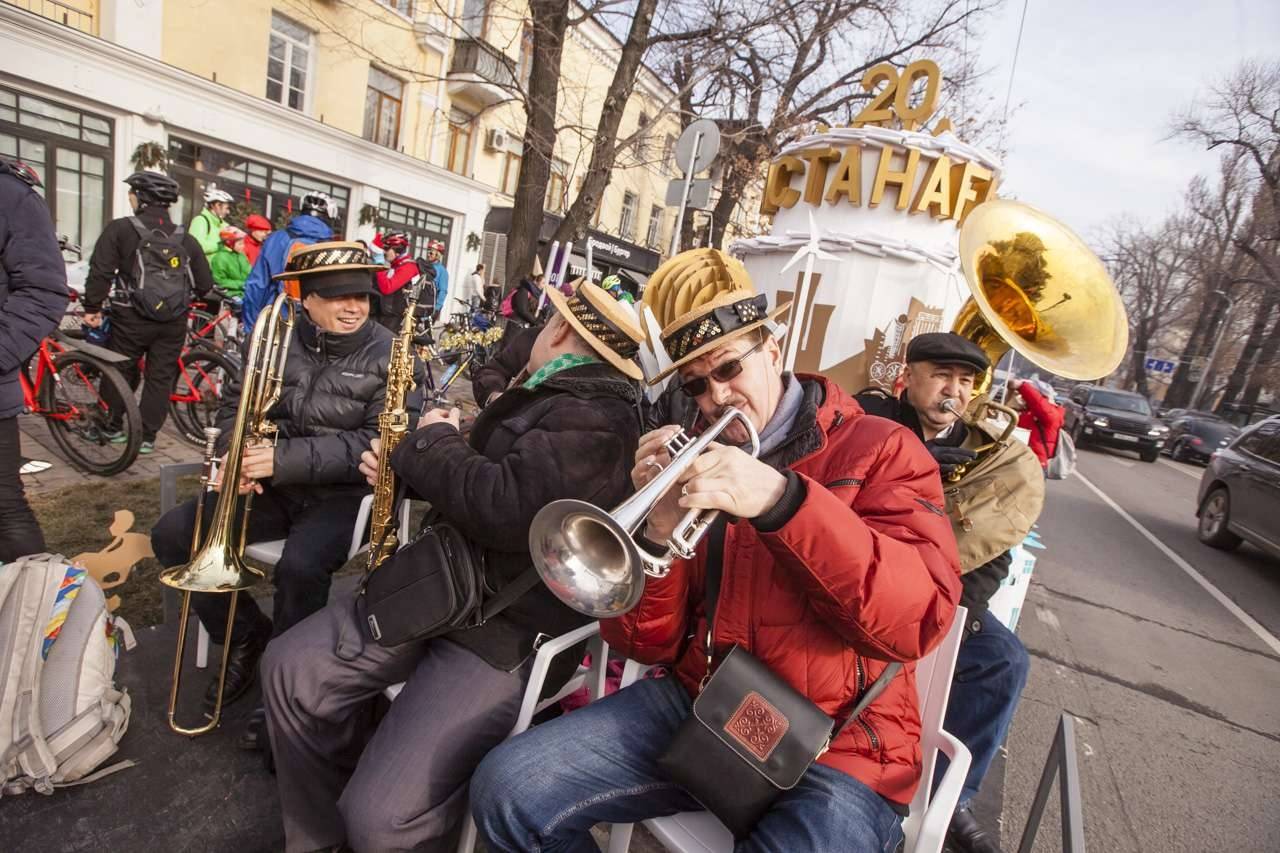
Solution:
(393, 425)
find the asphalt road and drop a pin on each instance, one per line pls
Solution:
(1176, 699)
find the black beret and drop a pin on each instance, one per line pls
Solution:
(947, 348)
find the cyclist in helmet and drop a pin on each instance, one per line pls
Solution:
(229, 265)
(33, 294)
(402, 270)
(115, 268)
(208, 224)
(435, 254)
(612, 284)
(312, 224)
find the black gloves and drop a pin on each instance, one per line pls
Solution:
(950, 458)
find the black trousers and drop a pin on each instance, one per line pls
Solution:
(19, 531)
(135, 336)
(317, 534)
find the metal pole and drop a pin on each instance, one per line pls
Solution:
(684, 195)
(588, 275)
(1213, 353)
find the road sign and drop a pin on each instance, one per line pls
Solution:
(708, 146)
(1158, 365)
(699, 193)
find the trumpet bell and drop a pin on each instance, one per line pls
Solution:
(212, 569)
(586, 558)
(1039, 289)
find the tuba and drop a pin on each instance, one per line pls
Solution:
(216, 564)
(589, 558)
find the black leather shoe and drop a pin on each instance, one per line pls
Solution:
(966, 835)
(242, 666)
(254, 735)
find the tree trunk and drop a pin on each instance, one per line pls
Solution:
(1183, 387)
(1138, 361)
(1252, 345)
(550, 18)
(604, 146)
(1268, 359)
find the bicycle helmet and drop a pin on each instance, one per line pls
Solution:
(318, 204)
(397, 240)
(21, 171)
(436, 246)
(153, 187)
(213, 194)
(229, 235)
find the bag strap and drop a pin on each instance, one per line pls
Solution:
(715, 572)
(509, 594)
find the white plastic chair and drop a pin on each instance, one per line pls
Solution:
(593, 677)
(269, 553)
(925, 829)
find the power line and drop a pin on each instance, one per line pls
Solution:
(1017, 47)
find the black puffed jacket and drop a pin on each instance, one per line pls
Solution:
(334, 390)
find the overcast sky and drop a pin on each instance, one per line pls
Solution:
(1097, 81)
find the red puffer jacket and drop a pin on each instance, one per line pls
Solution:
(866, 571)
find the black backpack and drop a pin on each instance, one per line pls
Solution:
(162, 278)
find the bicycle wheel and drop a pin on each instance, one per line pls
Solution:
(197, 392)
(76, 410)
(208, 330)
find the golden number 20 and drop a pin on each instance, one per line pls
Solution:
(894, 98)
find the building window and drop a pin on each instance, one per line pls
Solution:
(404, 7)
(525, 65)
(627, 221)
(475, 14)
(460, 125)
(382, 108)
(655, 227)
(288, 62)
(71, 152)
(556, 187)
(642, 138)
(510, 173)
(669, 151)
(256, 186)
(420, 224)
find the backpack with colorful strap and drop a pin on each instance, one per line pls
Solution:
(60, 713)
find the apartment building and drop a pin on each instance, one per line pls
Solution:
(403, 110)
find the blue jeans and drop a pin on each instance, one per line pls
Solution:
(543, 790)
(991, 670)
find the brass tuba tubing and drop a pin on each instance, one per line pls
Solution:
(217, 564)
(588, 557)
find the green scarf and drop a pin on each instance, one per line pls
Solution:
(561, 362)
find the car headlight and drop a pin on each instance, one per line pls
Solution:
(1158, 430)
(1100, 421)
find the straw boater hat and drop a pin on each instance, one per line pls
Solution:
(336, 268)
(604, 323)
(703, 299)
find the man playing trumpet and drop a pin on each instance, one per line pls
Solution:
(838, 561)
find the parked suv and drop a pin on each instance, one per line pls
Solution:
(1115, 419)
(1240, 491)
(1194, 438)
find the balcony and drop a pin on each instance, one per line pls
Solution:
(80, 15)
(481, 72)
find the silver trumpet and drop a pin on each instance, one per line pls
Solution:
(588, 557)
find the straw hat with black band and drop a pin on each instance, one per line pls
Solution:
(333, 269)
(604, 323)
(723, 305)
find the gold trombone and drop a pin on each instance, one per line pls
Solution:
(216, 564)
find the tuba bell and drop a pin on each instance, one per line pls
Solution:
(216, 563)
(1038, 289)
(588, 557)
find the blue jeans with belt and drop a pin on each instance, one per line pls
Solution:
(543, 790)
(991, 670)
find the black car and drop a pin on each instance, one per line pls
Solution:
(1193, 438)
(1240, 491)
(1114, 418)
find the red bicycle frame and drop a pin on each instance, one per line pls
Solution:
(46, 372)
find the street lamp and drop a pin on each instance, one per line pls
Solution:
(1213, 353)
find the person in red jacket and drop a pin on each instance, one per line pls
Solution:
(1040, 416)
(402, 269)
(837, 558)
(258, 228)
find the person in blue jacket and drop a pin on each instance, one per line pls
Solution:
(435, 254)
(33, 295)
(312, 225)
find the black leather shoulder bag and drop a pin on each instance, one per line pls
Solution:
(750, 736)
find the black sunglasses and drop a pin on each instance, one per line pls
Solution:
(725, 372)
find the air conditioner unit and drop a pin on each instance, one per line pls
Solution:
(496, 139)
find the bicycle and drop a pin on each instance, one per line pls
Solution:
(64, 382)
(218, 331)
(197, 391)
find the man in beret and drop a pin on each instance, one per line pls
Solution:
(308, 486)
(991, 668)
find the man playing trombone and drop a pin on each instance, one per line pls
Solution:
(308, 485)
(838, 560)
